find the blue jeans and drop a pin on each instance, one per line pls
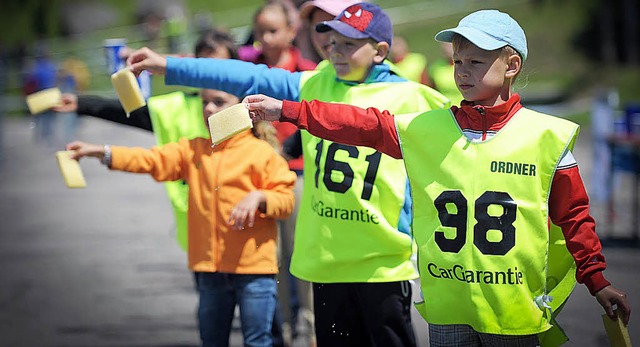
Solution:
(220, 292)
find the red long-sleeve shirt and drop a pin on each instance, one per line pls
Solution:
(568, 200)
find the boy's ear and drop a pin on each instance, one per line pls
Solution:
(382, 51)
(514, 64)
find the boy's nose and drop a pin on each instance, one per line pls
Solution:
(209, 108)
(462, 72)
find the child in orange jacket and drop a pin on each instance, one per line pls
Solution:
(237, 191)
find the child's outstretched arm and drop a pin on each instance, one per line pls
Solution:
(262, 107)
(105, 108)
(341, 123)
(609, 296)
(83, 149)
(68, 103)
(233, 76)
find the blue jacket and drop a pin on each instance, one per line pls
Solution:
(242, 78)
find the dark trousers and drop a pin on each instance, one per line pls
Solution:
(363, 314)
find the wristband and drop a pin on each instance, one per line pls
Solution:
(106, 159)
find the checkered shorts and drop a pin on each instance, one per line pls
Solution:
(460, 335)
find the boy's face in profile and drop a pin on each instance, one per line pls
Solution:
(481, 76)
(353, 58)
(214, 101)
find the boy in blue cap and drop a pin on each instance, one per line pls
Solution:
(352, 237)
(501, 215)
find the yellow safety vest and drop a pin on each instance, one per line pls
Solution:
(174, 116)
(485, 251)
(412, 66)
(353, 197)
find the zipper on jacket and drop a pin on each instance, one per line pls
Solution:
(216, 201)
(483, 115)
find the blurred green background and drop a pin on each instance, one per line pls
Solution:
(576, 46)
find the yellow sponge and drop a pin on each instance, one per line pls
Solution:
(43, 100)
(616, 330)
(128, 90)
(70, 169)
(229, 122)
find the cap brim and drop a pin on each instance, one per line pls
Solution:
(331, 7)
(341, 28)
(307, 7)
(475, 36)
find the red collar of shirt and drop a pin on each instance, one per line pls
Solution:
(486, 118)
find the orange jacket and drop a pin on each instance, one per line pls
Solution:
(218, 179)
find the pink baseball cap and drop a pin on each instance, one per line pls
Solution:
(332, 7)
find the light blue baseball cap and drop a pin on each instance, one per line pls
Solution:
(489, 30)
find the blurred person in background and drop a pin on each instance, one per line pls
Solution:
(74, 78)
(152, 22)
(175, 28)
(441, 74)
(604, 108)
(275, 26)
(412, 65)
(42, 75)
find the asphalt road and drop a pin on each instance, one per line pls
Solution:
(100, 267)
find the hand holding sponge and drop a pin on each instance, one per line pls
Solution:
(128, 90)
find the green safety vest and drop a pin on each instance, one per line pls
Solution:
(441, 72)
(174, 116)
(347, 226)
(486, 256)
(412, 66)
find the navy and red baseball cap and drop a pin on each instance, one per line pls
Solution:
(360, 21)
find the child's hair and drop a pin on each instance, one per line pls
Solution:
(212, 39)
(267, 132)
(287, 7)
(461, 42)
